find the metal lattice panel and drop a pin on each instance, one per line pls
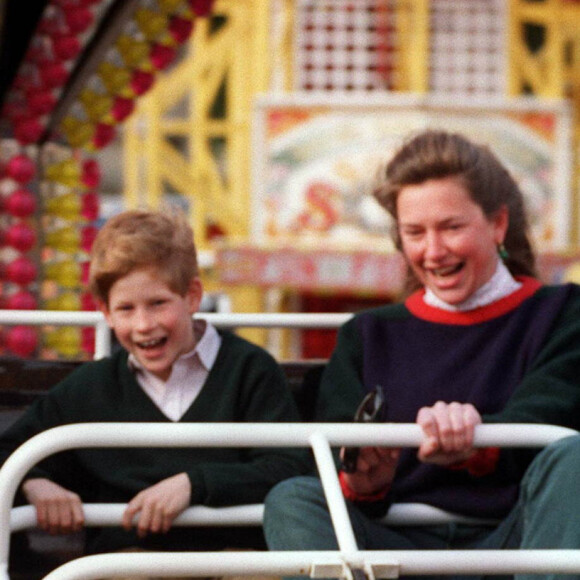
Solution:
(345, 46)
(467, 47)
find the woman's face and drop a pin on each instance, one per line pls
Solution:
(450, 244)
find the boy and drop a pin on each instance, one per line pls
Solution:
(144, 276)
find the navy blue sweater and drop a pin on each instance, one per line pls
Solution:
(517, 360)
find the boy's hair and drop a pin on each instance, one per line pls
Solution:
(140, 238)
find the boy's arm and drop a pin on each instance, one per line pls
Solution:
(260, 395)
(39, 417)
(58, 510)
(44, 413)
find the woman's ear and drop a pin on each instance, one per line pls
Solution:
(501, 222)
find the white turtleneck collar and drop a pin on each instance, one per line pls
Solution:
(501, 284)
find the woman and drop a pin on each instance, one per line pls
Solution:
(478, 339)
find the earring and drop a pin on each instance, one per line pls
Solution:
(503, 253)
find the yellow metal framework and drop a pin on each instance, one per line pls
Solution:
(544, 60)
(204, 105)
(413, 36)
(191, 134)
(549, 67)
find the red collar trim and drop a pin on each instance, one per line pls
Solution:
(420, 309)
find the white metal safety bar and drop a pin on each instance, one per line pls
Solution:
(320, 436)
(218, 319)
(64, 318)
(110, 514)
(331, 564)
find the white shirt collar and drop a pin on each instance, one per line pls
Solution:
(208, 345)
(188, 374)
(501, 284)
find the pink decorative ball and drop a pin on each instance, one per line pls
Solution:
(21, 300)
(22, 340)
(91, 173)
(21, 237)
(20, 168)
(20, 271)
(20, 203)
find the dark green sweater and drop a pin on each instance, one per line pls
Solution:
(244, 385)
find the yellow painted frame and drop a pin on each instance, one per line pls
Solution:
(215, 60)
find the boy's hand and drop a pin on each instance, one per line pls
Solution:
(449, 429)
(159, 505)
(375, 470)
(58, 510)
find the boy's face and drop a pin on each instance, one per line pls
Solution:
(150, 320)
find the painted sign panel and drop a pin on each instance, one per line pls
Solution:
(316, 161)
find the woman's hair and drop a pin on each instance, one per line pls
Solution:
(436, 155)
(140, 238)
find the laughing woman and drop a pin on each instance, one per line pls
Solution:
(478, 339)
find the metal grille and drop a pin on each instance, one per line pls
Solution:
(345, 45)
(353, 45)
(467, 47)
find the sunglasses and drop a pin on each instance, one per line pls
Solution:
(373, 409)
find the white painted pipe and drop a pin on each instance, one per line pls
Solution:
(384, 564)
(110, 514)
(334, 498)
(218, 319)
(233, 435)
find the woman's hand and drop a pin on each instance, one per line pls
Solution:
(449, 429)
(58, 510)
(158, 505)
(375, 470)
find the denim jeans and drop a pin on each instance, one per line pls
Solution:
(545, 516)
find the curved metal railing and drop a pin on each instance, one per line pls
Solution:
(320, 437)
